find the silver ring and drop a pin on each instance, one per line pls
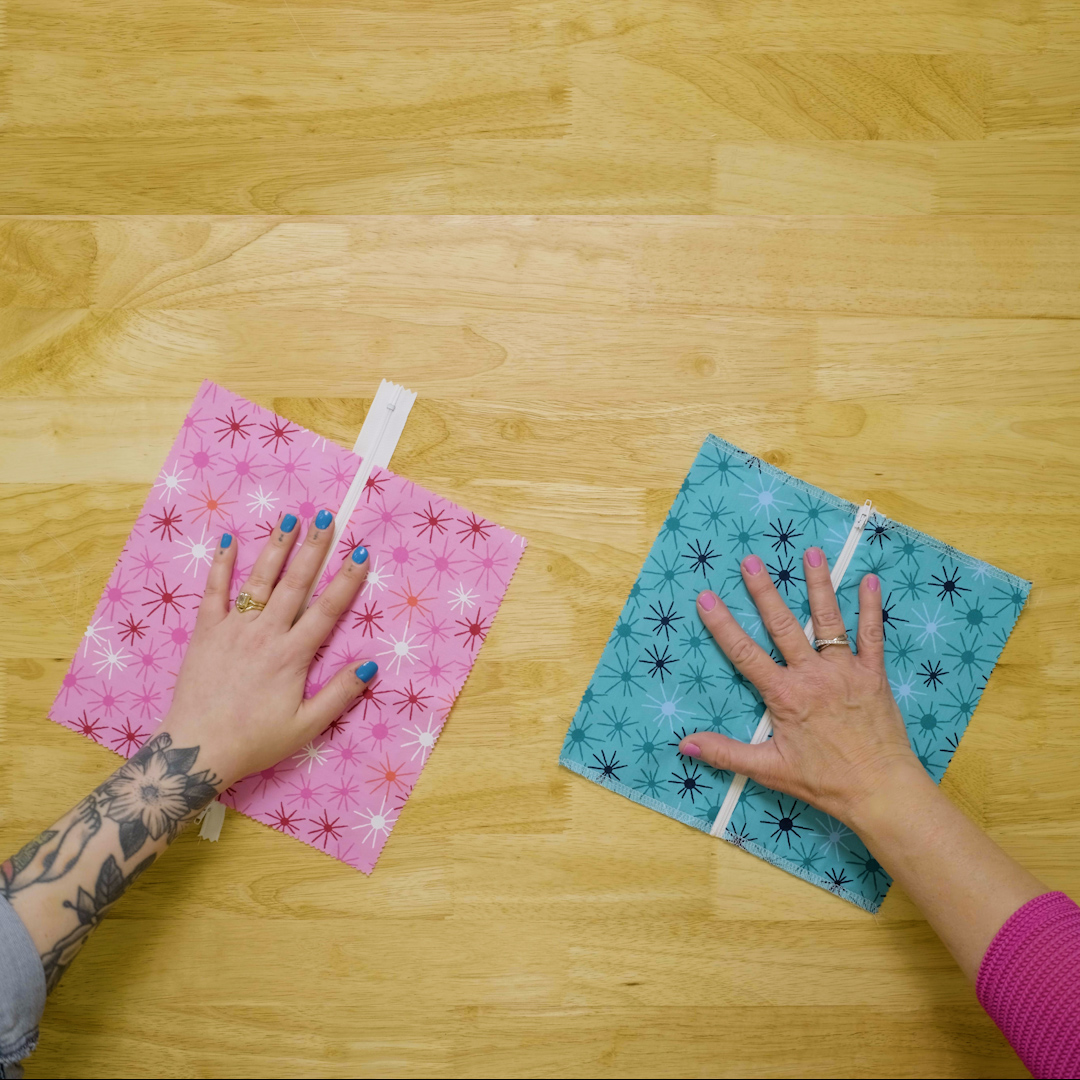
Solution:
(820, 643)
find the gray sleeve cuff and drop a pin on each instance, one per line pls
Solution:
(22, 988)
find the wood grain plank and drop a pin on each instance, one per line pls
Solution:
(668, 93)
(297, 174)
(1035, 97)
(388, 95)
(807, 26)
(852, 177)
(568, 176)
(305, 27)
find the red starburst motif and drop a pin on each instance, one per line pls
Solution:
(475, 630)
(277, 432)
(325, 829)
(212, 504)
(350, 543)
(167, 523)
(475, 528)
(128, 738)
(233, 426)
(370, 619)
(411, 698)
(130, 629)
(283, 819)
(374, 483)
(335, 727)
(165, 598)
(372, 695)
(85, 726)
(392, 777)
(430, 521)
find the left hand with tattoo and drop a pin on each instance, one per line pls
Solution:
(238, 707)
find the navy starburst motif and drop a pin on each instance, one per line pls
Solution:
(879, 532)
(781, 535)
(740, 837)
(783, 574)
(784, 823)
(606, 768)
(701, 556)
(948, 585)
(838, 879)
(887, 617)
(689, 782)
(932, 673)
(658, 663)
(664, 619)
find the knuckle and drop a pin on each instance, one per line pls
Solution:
(741, 650)
(872, 634)
(829, 620)
(785, 624)
(327, 606)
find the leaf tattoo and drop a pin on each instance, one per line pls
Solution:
(89, 909)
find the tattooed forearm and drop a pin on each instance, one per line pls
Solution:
(90, 908)
(64, 881)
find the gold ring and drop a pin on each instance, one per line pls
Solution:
(821, 643)
(245, 602)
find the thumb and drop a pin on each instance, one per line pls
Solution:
(758, 761)
(316, 713)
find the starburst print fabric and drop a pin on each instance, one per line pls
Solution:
(437, 577)
(947, 617)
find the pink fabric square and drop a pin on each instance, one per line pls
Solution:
(438, 575)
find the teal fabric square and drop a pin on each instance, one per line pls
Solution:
(947, 617)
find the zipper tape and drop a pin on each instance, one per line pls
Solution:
(764, 728)
(375, 444)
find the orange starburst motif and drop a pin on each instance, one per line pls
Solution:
(411, 602)
(211, 504)
(389, 776)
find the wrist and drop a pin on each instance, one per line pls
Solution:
(900, 788)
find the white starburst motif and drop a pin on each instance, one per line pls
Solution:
(667, 711)
(905, 691)
(260, 500)
(834, 837)
(929, 626)
(196, 552)
(401, 649)
(319, 442)
(113, 659)
(763, 493)
(423, 739)
(376, 822)
(171, 484)
(461, 598)
(93, 633)
(310, 755)
(376, 578)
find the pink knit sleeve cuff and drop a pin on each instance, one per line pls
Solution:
(1029, 983)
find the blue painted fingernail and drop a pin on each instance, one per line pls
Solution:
(359, 554)
(226, 541)
(323, 518)
(366, 672)
(288, 523)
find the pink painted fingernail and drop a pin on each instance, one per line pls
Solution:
(752, 564)
(872, 582)
(707, 600)
(813, 556)
(690, 749)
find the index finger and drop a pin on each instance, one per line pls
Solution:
(739, 647)
(315, 624)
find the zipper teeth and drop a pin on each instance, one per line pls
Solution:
(764, 728)
(382, 447)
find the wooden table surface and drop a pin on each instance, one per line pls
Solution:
(873, 281)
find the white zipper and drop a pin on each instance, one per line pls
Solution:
(764, 728)
(375, 444)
